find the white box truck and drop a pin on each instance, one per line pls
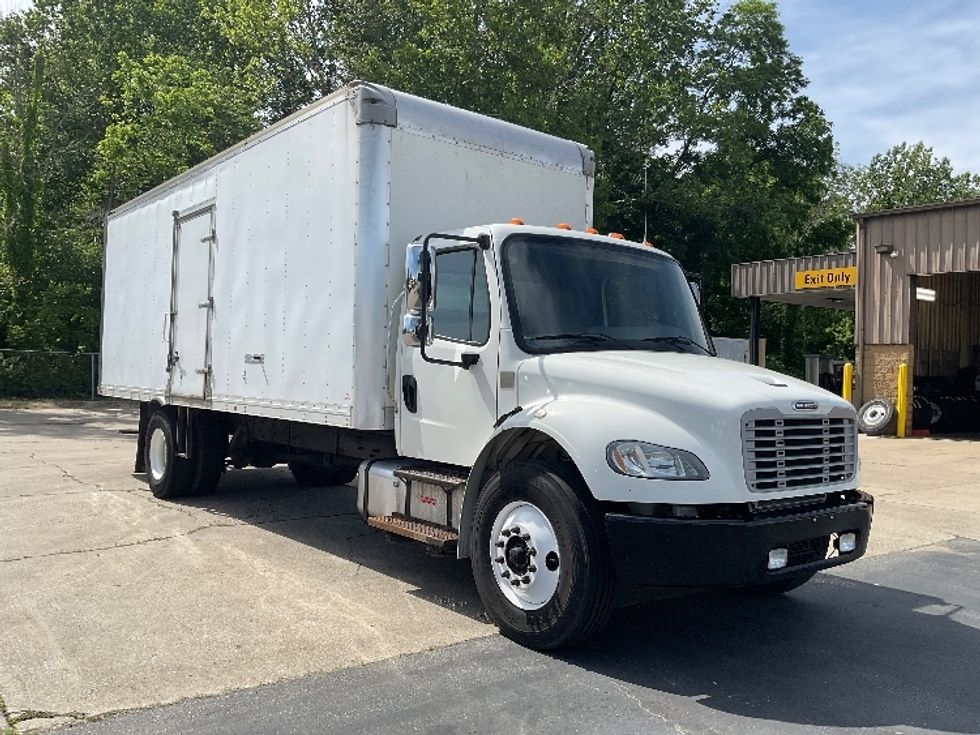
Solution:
(536, 397)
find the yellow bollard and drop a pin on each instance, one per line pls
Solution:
(901, 405)
(847, 381)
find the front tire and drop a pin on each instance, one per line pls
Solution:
(539, 556)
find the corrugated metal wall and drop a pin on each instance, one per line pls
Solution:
(927, 241)
(766, 277)
(947, 330)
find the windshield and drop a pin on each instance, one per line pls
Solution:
(568, 294)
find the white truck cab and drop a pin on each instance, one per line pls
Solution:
(570, 379)
(543, 401)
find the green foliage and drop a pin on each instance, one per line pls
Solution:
(904, 176)
(705, 139)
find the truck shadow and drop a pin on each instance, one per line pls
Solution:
(836, 653)
(326, 519)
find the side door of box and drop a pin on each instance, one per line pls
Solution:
(191, 302)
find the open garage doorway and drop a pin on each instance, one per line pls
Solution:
(946, 341)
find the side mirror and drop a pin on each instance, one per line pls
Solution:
(412, 332)
(418, 279)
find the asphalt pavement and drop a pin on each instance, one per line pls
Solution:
(893, 646)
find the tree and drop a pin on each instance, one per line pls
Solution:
(904, 176)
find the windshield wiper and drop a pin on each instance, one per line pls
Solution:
(677, 339)
(586, 336)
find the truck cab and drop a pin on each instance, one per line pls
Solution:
(562, 420)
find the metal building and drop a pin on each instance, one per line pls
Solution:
(916, 299)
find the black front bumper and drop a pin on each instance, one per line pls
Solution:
(733, 552)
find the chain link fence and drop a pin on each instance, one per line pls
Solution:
(48, 374)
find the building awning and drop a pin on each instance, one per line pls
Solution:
(826, 281)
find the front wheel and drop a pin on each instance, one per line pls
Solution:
(539, 556)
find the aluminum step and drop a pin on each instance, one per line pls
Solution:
(438, 537)
(445, 477)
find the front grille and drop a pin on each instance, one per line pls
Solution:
(788, 452)
(807, 550)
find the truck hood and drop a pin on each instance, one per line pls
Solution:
(697, 403)
(664, 379)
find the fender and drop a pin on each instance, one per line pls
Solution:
(576, 423)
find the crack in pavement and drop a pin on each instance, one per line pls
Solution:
(170, 537)
(65, 473)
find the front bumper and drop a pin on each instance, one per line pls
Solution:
(733, 552)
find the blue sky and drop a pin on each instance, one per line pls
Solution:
(886, 72)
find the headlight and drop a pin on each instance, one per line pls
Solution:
(640, 459)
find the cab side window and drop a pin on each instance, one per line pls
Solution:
(462, 303)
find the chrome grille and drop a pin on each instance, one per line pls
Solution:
(787, 452)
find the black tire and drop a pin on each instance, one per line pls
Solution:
(170, 476)
(780, 586)
(208, 454)
(325, 475)
(581, 603)
(167, 474)
(876, 416)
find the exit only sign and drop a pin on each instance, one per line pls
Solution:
(827, 278)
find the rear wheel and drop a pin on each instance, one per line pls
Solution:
(171, 476)
(539, 556)
(167, 474)
(325, 475)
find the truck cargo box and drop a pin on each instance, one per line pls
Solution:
(264, 280)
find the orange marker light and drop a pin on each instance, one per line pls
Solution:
(617, 236)
(563, 226)
(592, 230)
(516, 221)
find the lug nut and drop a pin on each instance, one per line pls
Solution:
(516, 582)
(532, 551)
(501, 544)
(515, 530)
(526, 536)
(505, 532)
(526, 580)
(500, 560)
(532, 569)
(505, 574)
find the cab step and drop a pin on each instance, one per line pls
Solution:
(449, 478)
(438, 537)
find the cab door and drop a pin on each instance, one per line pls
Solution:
(447, 411)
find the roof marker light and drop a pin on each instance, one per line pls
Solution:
(563, 226)
(516, 221)
(617, 236)
(592, 230)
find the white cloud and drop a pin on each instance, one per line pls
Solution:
(887, 72)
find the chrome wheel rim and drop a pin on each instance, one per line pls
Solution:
(524, 555)
(874, 415)
(158, 454)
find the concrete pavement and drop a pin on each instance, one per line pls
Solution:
(114, 600)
